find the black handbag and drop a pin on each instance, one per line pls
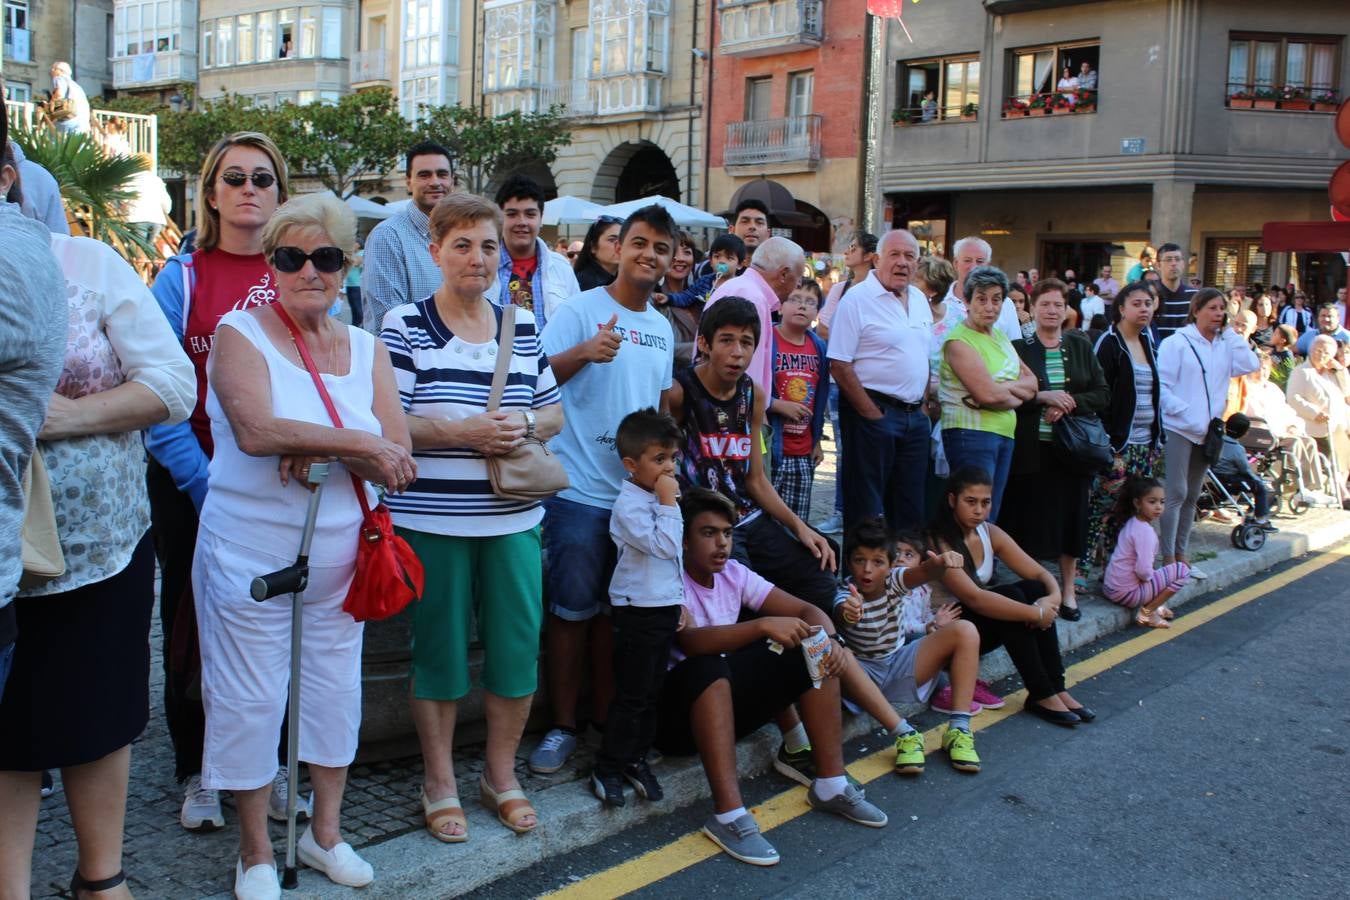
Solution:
(1212, 446)
(1082, 446)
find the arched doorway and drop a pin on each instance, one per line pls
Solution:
(540, 173)
(635, 169)
(816, 236)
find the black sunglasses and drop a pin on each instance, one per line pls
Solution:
(292, 259)
(261, 180)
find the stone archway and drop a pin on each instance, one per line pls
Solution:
(635, 169)
(540, 173)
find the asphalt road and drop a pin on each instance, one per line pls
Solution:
(1217, 768)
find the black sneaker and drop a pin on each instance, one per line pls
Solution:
(609, 788)
(643, 780)
(1268, 527)
(799, 766)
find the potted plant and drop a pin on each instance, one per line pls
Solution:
(1015, 109)
(1061, 103)
(1325, 100)
(1038, 105)
(902, 115)
(1087, 101)
(1240, 99)
(969, 112)
(1265, 98)
(1295, 98)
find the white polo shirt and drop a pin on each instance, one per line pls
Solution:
(888, 345)
(1007, 321)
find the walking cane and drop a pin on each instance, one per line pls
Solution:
(293, 580)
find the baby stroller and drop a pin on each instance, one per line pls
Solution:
(1235, 496)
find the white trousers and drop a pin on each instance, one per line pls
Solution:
(246, 649)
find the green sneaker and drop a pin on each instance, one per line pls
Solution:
(960, 747)
(909, 758)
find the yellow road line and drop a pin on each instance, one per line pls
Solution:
(691, 849)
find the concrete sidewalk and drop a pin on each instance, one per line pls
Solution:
(382, 815)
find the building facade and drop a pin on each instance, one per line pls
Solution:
(624, 72)
(154, 46)
(778, 110)
(38, 33)
(1199, 120)
(273, 52)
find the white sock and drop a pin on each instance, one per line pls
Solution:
(903, 727)
(727, 818)
(795, 739)
(829, 788)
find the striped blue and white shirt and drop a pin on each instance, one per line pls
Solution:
(441, 376)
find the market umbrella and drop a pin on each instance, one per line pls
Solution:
(569, 210)
(779, 200)
(684, 216)
(367, 209)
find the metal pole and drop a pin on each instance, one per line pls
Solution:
(294, 578)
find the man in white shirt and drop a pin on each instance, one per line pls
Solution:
(1106, 285)
(879, 354)
(968, 253)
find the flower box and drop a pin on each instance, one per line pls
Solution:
(1240, 102)
(1325, 105)
(1265, 103)
(1301, 105)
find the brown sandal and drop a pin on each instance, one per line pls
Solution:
(1150, 619)
(437, 814)
(510, 806)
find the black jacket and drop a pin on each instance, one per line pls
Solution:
(592, 275)
(1118, 366)
(1083, 379)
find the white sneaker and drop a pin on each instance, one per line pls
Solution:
(833, 525)
(201, 807)
(341, 864)
(258, 883)
(276, 801)
(1198, 575)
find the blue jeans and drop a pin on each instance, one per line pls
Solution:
(884, 465)
(984, 450)
(580, 557)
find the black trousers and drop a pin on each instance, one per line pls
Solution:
(642, 640)
(1034, 652)
(774, 554)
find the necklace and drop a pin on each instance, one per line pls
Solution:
(332, 354)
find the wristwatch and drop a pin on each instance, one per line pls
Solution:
(529, 423)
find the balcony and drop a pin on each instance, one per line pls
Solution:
(764, 27)
(18, 45)
(575, 98)
(372, 67)
(154, 69)
(631, 92)
(792, 142)
(117, 132)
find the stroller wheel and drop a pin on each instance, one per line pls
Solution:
(1276, 502)
(1236, 537)
(1253, 537)
(1298, 504)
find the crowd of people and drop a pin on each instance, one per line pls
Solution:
(677, 573)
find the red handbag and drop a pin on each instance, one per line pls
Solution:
(388, 573)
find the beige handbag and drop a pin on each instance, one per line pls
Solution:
(42, 556)
(529, 472)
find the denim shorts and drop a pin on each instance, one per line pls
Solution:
(579, 559)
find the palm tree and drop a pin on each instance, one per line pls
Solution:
(94, 185)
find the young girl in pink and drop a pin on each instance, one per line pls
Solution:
(1130, 577)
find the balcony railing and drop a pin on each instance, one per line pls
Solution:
(371, 66)
(118, 132)
(771, 141)
(575, 97)
(761, 27)
(18, 45)
(1293, 97)
(631, 92)
(146, 69)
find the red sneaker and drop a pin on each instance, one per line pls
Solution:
(985, 697)
(941, 702)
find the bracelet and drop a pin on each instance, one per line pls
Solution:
(1040, 612)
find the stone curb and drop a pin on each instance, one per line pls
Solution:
(416, 864)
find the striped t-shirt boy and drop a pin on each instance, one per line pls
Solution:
(440, 376)
(880, 630)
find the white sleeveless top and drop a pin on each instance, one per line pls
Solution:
(246, 503)
(985, 571)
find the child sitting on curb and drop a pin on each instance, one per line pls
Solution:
(870, 611)
(1130, 577)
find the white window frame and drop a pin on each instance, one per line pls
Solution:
(637, 30)
(428, 49)
(18, 91)
(518, 44)
(796, 106)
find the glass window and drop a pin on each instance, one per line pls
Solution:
(308, 45)
(954, 84)
(801, 85)
(581, 52)
(18, 91)
(1272, 67)
(332, 32)
(267, 48)
(285, 36)
(285, 97)
(758, 98)
(244, 39)
(1038, 79)
(225, 42)
(208, 44)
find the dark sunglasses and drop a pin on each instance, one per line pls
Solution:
(292, 259)
(261, 180)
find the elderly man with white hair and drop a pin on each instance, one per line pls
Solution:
(969, 252)
(879, 351)
(64, 87)
(775, 270)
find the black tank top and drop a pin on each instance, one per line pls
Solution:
(717, 439)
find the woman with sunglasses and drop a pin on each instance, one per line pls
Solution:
(242, 182)
(598, 262)
(268, 424)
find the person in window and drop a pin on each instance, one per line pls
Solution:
(1068, 86)
(928, 107)
(1087, 77)
(285, 50)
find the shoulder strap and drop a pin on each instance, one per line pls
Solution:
(313, 370)
(506, 343)
(1204, 377)
(189, 278)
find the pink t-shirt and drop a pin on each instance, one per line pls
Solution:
(826, 314)
(734, 587)
(754, 288)
(1132, 561)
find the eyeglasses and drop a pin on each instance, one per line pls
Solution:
(292, 259)
(261, 180)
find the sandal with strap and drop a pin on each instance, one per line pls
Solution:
(1166, 613)
(1151, 619)
(510, 806)
(79, 883)
(438, 814)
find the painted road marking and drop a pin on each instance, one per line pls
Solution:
(693, 848)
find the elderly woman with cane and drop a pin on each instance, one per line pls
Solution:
(269, 423)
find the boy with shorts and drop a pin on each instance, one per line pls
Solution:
(729, 677)
(870, 608)
(646, 597)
